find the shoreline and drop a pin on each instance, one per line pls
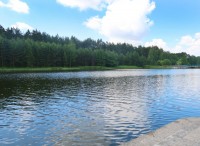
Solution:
(73, 69)
(82, 68)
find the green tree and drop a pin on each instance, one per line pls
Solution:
(29, 53)
(182, 61)
(1, 51)
(71, 53)
(164, 62)
(111, 59)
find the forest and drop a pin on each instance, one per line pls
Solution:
(39, 49)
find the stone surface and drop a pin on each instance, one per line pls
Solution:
(184, 132)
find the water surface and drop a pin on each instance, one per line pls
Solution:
(93, 108)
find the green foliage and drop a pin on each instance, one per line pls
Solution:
(36, 49)
(164, 62)
(111, 59)
(183, 60)
(154, 55)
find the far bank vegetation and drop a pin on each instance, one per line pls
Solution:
(39, 49)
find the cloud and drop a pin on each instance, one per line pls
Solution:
(22, 26)
(84, 4)
(189, 44)
(124, 20)
(1, 4)
(94, 23)
(16, 5)
(157, 42)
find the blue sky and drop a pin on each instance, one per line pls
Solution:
(170, 24)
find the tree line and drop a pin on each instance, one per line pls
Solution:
(39, 49)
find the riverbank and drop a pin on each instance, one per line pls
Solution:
(69, 69)
(184, 132)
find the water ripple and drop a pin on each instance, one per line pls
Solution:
(93, 108)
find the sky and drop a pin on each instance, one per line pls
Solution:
(170, 24)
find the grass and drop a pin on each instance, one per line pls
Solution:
(68, 69)
(157, 67)
(51, 69)
(127, 67)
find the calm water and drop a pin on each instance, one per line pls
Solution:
(93, 108)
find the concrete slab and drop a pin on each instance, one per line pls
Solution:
(183, 132)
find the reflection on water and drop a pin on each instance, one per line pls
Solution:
(93, 108)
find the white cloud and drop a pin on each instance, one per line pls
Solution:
(1, 4)
(187, 43)
(197, 35)
(16, 5)
(124, 21)
(94, 23)
(22, 26)
(157, 42)
(84, 4)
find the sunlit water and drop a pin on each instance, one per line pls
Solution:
(93, 108)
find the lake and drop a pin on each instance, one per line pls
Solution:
(93, 108)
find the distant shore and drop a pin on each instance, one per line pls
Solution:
(71, 69)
